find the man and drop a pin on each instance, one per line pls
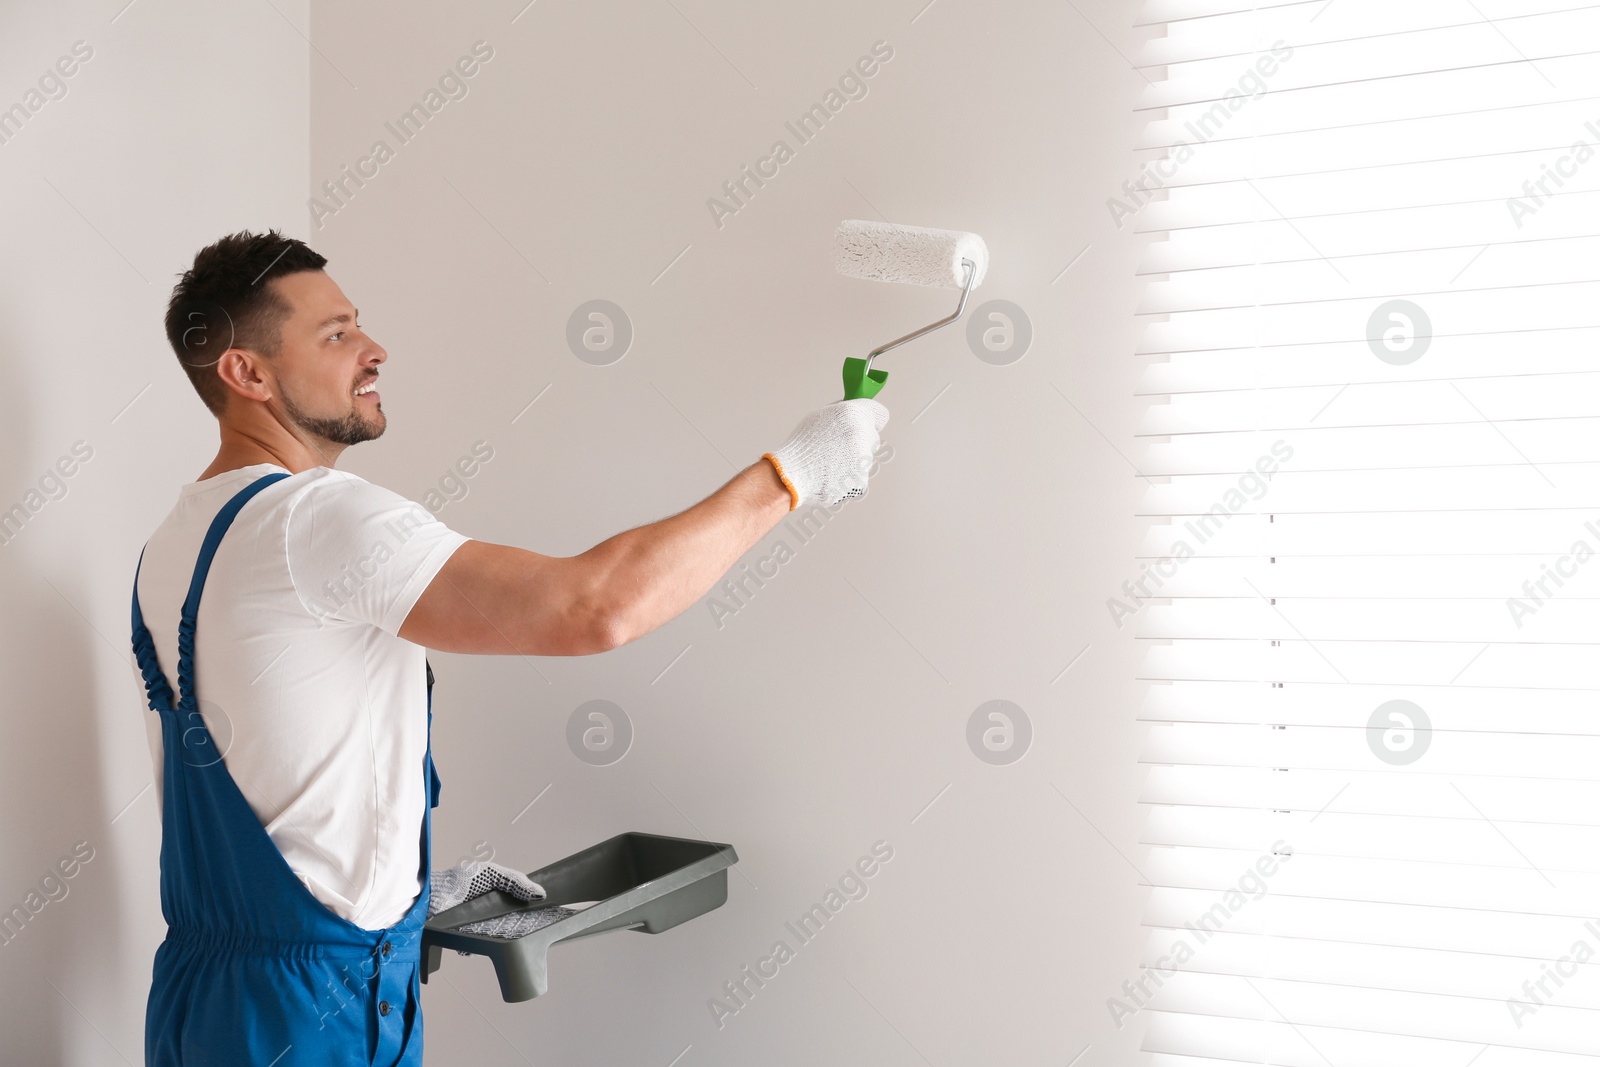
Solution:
(295, 781)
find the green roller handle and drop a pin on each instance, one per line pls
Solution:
(859, 382)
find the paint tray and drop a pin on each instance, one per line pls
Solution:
(639, 882)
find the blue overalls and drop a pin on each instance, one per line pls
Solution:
(254, 969)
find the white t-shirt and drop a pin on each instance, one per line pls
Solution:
(318, 708)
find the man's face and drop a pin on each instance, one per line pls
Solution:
(323, 358)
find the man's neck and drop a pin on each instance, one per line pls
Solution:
(242, 449)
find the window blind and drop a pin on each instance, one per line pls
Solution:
(1369, 589)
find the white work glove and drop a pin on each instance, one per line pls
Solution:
(827, 457)
(473, 878)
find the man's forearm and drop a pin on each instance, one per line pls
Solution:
(652, 573)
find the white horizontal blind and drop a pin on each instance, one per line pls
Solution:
(1372, 445)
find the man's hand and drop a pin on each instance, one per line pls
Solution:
(470, 879)
(827, 456)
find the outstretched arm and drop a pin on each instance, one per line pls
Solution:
(494, 599)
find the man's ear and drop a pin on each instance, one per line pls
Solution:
(242, 371)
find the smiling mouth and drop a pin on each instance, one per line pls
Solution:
(370, 393)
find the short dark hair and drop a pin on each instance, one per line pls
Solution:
(224, 302)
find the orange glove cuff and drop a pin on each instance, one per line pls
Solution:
(794, 495)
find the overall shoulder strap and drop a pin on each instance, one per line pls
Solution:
(433, 773)
(202, 566)
(158, 691)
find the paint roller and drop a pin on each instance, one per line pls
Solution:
(884, 252)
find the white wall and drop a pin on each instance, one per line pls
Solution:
(833, 707)
(825, 714)
(170, 134)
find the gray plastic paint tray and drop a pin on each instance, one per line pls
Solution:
(640, 881)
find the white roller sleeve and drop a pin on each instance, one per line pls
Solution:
(829, 454)
(883, 252)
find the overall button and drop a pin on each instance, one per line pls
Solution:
(386, 948)
(383, 1007)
